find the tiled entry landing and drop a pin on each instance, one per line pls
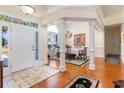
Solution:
(28, 77)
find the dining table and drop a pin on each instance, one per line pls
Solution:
(76, 51)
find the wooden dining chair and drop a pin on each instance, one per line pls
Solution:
(68, 52)
(58, 52)
(83, 54)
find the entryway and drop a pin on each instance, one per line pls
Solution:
(22, 50)
(28, 77)
(53, 42)
(113, 43)
(19, 47)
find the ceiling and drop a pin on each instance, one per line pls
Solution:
(110, 9)
(42, 10)
(106, 9)
(14, 9)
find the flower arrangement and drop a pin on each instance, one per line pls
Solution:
(68, 34)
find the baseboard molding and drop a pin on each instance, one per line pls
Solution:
(99, 57)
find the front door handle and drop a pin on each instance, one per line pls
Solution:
(32, 49)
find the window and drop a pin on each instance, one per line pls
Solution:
(36, 46)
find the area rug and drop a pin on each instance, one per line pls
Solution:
(82, 81)
(113, 59)
(77, 62)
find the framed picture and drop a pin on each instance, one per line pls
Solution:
(79, 40)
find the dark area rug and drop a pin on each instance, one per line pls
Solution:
(82, 81)
(77, 62)
(113, 58)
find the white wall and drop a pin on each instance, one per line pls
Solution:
(78, 28)
(99, 43)
(83, 27)
(44, 44)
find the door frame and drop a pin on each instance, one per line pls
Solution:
(119, 47)
(29, 28)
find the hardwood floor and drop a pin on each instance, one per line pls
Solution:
(104, 72)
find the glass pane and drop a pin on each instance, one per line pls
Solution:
(36, 46)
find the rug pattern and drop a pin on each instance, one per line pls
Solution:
(82, 81)
(77, 62)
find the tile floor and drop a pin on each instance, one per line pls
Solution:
(28, 77)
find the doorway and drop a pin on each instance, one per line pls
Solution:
(23, 47)
(113, 43)
(53, 46)
(53, 42)
(20, 47)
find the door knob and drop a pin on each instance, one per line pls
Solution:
(32, 49)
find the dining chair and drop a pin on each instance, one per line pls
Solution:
(58, 52)
(68, 52)
(83, 54)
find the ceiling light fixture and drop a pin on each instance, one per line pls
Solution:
(55, 22)
(27, 9)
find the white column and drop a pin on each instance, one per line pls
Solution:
(44, 44)
(122, 43)
(62, 32)
(92, 44)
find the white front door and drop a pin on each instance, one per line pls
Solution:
(22, 47)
